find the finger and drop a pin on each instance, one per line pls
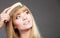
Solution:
(5, 10)
(5, 21)
(8, 10)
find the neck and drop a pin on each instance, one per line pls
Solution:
(25, 33)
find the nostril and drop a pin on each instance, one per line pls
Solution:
(25, 18)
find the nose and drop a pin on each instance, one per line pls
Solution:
(25, 18)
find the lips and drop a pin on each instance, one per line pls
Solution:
(26, 22)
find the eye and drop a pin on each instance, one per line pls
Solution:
(27, 11)
(17, 17)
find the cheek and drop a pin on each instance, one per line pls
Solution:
(29, 17)
(17, 22)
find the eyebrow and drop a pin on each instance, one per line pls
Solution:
(23, 11)
(18, 14)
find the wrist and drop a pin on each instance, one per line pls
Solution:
(1, 20)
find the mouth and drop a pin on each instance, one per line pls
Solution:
(26, 22)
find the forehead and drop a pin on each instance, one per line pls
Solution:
(20, 10)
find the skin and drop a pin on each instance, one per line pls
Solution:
(22, 20)
(4, 17)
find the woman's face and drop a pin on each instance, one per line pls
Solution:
(22, 19)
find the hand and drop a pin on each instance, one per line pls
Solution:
(4, 16)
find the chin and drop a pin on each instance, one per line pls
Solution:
(25, 28)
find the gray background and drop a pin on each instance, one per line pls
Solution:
(46, 13)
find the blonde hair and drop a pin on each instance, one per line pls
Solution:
(11, 31)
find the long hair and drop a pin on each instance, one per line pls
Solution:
(14, 33)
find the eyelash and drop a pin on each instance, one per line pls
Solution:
(17, 17)
(27, 12)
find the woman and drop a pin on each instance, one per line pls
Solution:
(20, 24)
